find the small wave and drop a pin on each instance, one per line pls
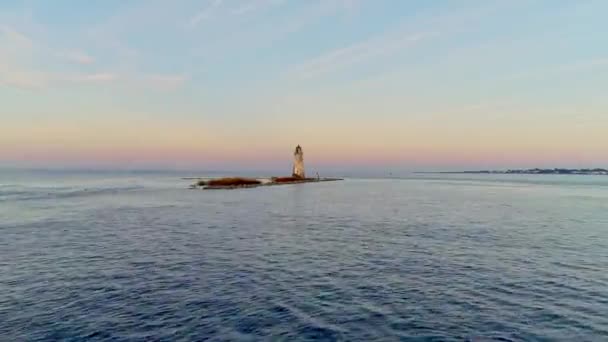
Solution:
(59, 193)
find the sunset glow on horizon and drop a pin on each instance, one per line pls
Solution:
(359, 84)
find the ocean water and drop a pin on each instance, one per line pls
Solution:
(102, 256)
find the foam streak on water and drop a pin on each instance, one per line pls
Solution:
(140, 257)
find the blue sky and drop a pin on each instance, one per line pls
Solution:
(409, 83)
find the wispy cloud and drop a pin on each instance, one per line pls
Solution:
(587, 64)
(13, 77)
(578, 66)
(350, 5)
(16, 49)
(102, 77)
(254, 5)
(256, 28)
(490, 108)
(12, 37)
(32, 79)
(78, 57)
(205, 13)
(166, 81)
(248, 7)
(224, 9)
(356, 53)
(25, 64)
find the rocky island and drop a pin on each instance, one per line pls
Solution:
(298, 176)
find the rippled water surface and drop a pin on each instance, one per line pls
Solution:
(105, 256)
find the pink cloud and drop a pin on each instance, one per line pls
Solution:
(93, 78)
(78, 57)
(166, 81)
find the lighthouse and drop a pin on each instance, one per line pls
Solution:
(298, 163)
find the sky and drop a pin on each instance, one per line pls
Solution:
(360, 84)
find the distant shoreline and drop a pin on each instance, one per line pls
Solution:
(557, 171)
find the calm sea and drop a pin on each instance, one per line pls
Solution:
(138, 257)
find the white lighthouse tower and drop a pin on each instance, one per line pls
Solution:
(298, 163)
